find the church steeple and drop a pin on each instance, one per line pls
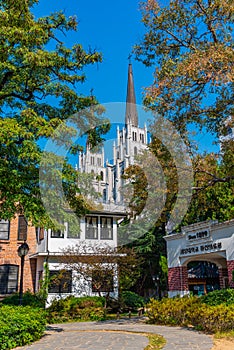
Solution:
(131, 116)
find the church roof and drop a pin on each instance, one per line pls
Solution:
(131, 116)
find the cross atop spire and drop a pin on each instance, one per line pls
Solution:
(131, 116)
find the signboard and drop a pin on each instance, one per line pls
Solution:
(201, 248)
(194, 236)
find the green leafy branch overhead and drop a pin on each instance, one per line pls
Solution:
(39, 81)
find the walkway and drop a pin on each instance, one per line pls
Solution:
(117, 335)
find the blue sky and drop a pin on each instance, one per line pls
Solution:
(111, 27)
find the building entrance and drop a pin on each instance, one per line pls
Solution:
(203, 277)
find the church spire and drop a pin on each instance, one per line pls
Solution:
(131, 116)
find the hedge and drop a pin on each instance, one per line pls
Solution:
(217, 297)
(191, 311)
(76, 309)
(29, 299)
(20, 325)
(131, 300)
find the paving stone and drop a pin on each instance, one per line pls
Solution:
(117, 335)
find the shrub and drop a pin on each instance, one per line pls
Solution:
(29, 299)
(213, 319)
(217, 297)
(20, 325)
(131, 300)
(76, 309)
(172, 311)
(191, 311)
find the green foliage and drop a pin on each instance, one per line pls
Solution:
(192, 311)
(171, 311)
(42, 294)
(131, 300)
(191, 46)
(29, 299)
(20, 326)
(217, 297)
(76, 309)
(213, 198)
(38, 92)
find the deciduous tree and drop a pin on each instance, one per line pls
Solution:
(190, 44)
(101, 267)
(39, 77)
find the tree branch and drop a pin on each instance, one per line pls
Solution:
(209, 25)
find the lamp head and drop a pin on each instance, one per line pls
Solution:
(23, 249)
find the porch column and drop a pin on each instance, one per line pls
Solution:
(178, 280)
(230, 268)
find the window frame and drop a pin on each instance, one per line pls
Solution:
(58, 288)
(108, 274)
(40, 233)
(110, 237)
(5, 279)
(70, 236)
(95, 228)
(22, 236)
(3, 222)
(57, 234)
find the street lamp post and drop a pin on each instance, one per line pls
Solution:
(156, 280)
(22, 252)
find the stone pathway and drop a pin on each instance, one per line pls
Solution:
(117, 335)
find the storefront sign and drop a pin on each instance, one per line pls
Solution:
(201, 248)
(198, 235)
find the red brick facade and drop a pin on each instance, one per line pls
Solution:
(178, 278)
(9, 255)
(230, 267)
(223, 277)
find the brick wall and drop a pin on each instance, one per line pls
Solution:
(9, 255)
(230, 267)
(178, 278)
(223, 274)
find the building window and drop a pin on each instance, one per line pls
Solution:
(22, 228)
(91, 229)
(60, 281)
(73, 231)
(134, 136)
(4, 229)
(40, 233)
(57, 234)
(101, 176)
(103, 280)
(135, 151)
(92, 160)
(106, 228)
(99, 161)
(104, 197)
(8, 278)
